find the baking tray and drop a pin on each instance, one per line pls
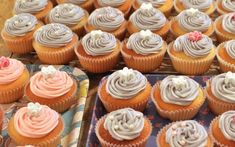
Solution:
(204, 116)
(72, 117)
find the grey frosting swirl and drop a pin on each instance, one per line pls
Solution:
(78, 2)
(228, 23)
(155, 3)
(68, 14)
(53, 35)
(106, 19)
(194, 49)
(125, 84)
(98, 43)
(223, 87)
(228, 5)
(124, 124)
(230, 48)
(193, 20)
(145, 43)
(187, 133)
(179, 90)
(20, 24)
(148, 18)
(197, 4)
(227, 124)
(111, 3)
(29, 6)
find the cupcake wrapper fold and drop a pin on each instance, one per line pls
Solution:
(11, 95)
(106, 143)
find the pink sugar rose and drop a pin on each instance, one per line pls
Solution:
(195, 36)
(4, 62)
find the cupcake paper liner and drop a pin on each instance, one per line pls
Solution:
(176, 115)
(224, 65)
(106, 143)
(190, 67)
(146, 63)
(98, 65)
(216, 106)
(59, 106)
(50, 142)
(56, 56)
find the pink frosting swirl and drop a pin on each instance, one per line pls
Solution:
(11, 72)
(35, 126)
(51, 87)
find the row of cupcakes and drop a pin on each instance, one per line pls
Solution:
(127, 127)
(175, 97)
(51, 87)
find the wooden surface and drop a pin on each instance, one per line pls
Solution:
(166, 68)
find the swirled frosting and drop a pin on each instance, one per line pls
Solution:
(125, 84)
(230, 48)
(228, 22)
(111, 3)
(193, 20)
(78, 2)
(197, 4)
(145, 43)
(68, 14)
(29, 6)
(155, 3)
(53, 35)
(147, 17)
(20, 24)
(124, 124)
(227, 124)
(228, 5)
(50, 83)
(106, 19)
(194, 49)
(98, 43)
(11, 72)
(223, 87)
(187, 133)
(35, 121)
(179, 90)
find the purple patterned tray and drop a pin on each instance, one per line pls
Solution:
(203, 117)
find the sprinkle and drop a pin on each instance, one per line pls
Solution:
(179, 82)
(146, 6)
(196, 135)
(174, 127)
(49, 71)
(116, 127)
(111, 117)
(195, 36)
(34, 109)
(183, 124)
(145, 34)
(96, 34)
(131, 126)
(229, 78)
(191, 11)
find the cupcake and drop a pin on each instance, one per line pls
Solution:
(123, 127)
(226, 56)
(192, 53)
(220, 93)
(225, 27)
(70, 15)
(55, 43)
(107, 19)
(222, 129)
(13, 77)
(53, 88)
(191, 20)
(125, 88)
(164, 6)
(18, 33)
(144, 51)
(147, 17)
(85, 4)
(98, 51)
(122, 5)
(39, 8)
(1, 118)
(177, 97)
(36, 125)
(206, 6)
(225, 6)
(188, 133)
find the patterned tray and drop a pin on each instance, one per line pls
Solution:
(203, 117)
(72, 118)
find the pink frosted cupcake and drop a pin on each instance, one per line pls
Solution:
(53, 88)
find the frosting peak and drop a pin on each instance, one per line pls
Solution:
(29, 6)
(155, 3)
(112, 3)
(227, 124)
(125, 84)
(124, 124)
(230, 48)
